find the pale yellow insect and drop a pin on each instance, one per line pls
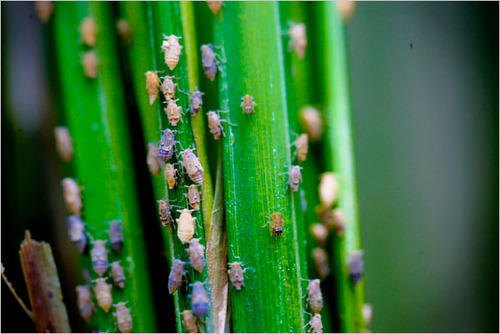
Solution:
(88, 31)
(189, 321)
(173, 112)
(192, 165)
(197, 255)
(320, 233)
(185, 226)
(90, 63)
(302, 147)
(152, 160)
(44, 10)
(248, 104)
(328, 189)
(103, 295)
(72, 196)
(124, 31)
(172, 50)
(215, 6)
(171, 175)
(123, 318)
(320, 258)
(64, 144)
(168, 87)
(152, 84)
(298, 39)
(312, 123)
(314, 297)
(193, 196)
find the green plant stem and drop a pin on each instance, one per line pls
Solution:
(339, 156)
(256, 158)
(96, 118)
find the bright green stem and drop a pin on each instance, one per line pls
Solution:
(97, 120)
(339, 156)
(256, 154)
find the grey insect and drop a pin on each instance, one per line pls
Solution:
(76, 232)
(189, 321)
(236, 275)
(316, 324)
(192, 165)
(103, 295)
(196, 254)
(116, 236)
(118, 274)
(152, 160)
(72, 196)
(164, 212)
(215, 124)
(209, 61)
(196, 99)
(64, 144)
(84, 301)
(320, 258)
(294, 177)
(193, 196)
(166, 147)
(99, 256)
(123, 318)
(175, 276)
(199, 300)
(168, 87)
(315, 298)
(355, 263)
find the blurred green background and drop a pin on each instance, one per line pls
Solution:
(425, 102)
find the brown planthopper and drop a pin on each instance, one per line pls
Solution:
(319, 233)
(276, 223)
(171, 175)
(193, 196)
(215, 6)
(72, 196)
(99, 256)
(298, 39)
(355, 263)
(124, 31)
(64, 144)
(152, 85)
(215, 125)
(185, 226)
(192, 165)
(209, 61)
(90, 64)
(164, 212)
(168, 87)
(312, 123)
(294, 177)
(116, 236)
(301, 147)
(196, 254)
(316, 324)
(118, 274)
(320, 258)
(248, 104)
(173, 112)
(44, 10)
(172, 49)
(199, 300)
(328, 189)
(76, 232)
(189, 321)
(175, 276)
(166, 147)
(103, 295)
(88, 31)
(196, 100)
(236, 275)
(152, 160)
(314, 297)
(84, 301)
(123, 318)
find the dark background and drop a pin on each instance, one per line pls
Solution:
(425, 111)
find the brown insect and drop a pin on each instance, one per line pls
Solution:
(72, 196)
(248, 104)
(124, 31)
(193, 166)
(99, 256)
(84, 301)
(236, 275)
(302, 147)
(197, 255)
(103, 295)
(44, 10)
(196, 100)
(88, 31)
(166, 147)
(276, 224)
(209, 61)
(215, 6)
(152, 160)
(185, 226)
(193, 196)
(171, 175)
(173, 112)
(315, 298)
(298, 39)
(294, 177)
(189, 321)
(64, 144)
(168, 87)
(367, 313)
(164, 212)
(172, 50)
(316, 324)
(152, 84)
(320, 233)
(175, 276)
(215, 125)
(76, 232)
(123, 318)
(118, 274)
(320, 258)
(89, 63)
(337, 221)
(355, 263)
(328, 189)
(116, 236)
(312, 123)
(199, 300)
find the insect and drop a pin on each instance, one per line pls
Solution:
(168, 87)
(315, 298)
(154, 165)
(294, 177)
(355, 263)
(193, 196)
(72, 196)
(164, 212)
(328, 189)
(88, 31)
(99, 255)
(310, 119)
(302, 147)
(193, 166)
(337, 221)
(175, 276)
(167, 145)
(320, 258)
(236, 275)
(123, 318)
(89, 63)
(209, 61)
(64, 144)
(171, 175)
(124, 31)
(196, 100)
(214, 124)
(367, 313)
(44, 10)
(76, 232)
(346, 8)
(189, 321)
(196, 255)
(276, 223)
(118, 274)
(215, 6)
(116, 236)
(199, 300)
(152, 84)
(320, 233)
(185, 226)
(173, 112)
(172, 50)
(298, 39)
(316, 324)
(84, 300)
(248, 104)
(103, 295)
